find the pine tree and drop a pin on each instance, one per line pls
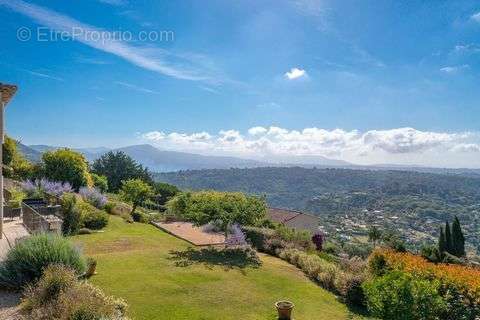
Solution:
(442, 245)
(448, 239)
(458, 240)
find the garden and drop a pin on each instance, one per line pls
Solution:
(107, 249)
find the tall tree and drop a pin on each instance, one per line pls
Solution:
(118, 167)
(442, 244)
(448, 238)
(458, 240)
(374, 234)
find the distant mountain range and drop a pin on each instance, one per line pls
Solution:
(164, 161)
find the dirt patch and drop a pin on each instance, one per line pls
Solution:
(120, 245)
(189, 232)
(9, 309)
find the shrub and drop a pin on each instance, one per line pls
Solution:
(67, 166)
(25, 262)
(109, 206)
(318, 240)
(71, 214)
(331, 248)
(326, 277)
(258, 236)
(100, 182)
(377, 264)
(59, 296)
(91, 217)
(349, 285)
(93, 196)
(141, 217)
(299, 239)
(399, 295)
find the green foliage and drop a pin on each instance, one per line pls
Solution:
(164, 192)
(9, 150)
(448, 238)
(332, 193)
(17, 196)
(66, 165)
(458, 240)
(377, 264)
(91, 217)
(442, 242)
(374, 235)
(398, 295)
(222, 208)
(16, 166)
(100, 182)
(26, 261)
(118, 167)
(135, 191)
(431, 253)
(58, 295)
(258, 236)
(71, 214)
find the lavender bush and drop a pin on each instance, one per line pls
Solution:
(93, 196)
(39, 188)
(236, 237)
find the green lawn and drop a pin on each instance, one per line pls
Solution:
(135, 262)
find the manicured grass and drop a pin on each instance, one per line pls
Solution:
(137, 262)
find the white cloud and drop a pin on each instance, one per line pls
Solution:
(43, 75)
(454, 69)
(467, 48)
(257, 131)
(135, 87)
(144, 57)
(398, 145)
(295, 73)
(476, 17)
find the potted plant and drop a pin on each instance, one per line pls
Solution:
(284, 309)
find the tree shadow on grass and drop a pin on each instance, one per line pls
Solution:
(234, 258)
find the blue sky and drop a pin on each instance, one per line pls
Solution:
(363, 81)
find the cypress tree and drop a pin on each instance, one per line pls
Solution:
(448, 239)
(442, 245)
(458, 239)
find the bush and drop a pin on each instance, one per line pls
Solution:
(377, 264)
(327, 276)
(71, 214)
(25, 262)
(100, 182)
(258, 236)
(91, 217)
(59, 296)
(93, 196)
(109, 206)
(67, 166)
(349, 285)
(141, 217)
(399, 295)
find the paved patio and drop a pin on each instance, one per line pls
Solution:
(12, 231)
(190, 233)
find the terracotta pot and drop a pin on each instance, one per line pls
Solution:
(284, 309)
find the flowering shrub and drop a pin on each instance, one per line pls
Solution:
(317, 239)
(39, 188)
(459, 285)
(93, 196)
(236, 237)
